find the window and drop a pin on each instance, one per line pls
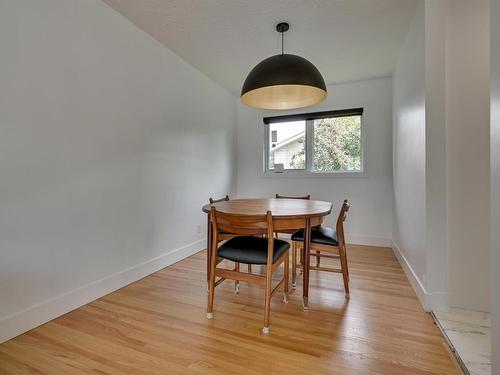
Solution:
(321, 142)
(287, 144)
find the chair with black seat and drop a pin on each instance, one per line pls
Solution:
(278, 196)
(328, 243)
(249, 249)
(306, 197)
(294, 251)
(224, 236)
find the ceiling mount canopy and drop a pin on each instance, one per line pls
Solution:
(283, 81)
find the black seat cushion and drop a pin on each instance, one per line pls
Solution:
(321, 235)
(251, 250)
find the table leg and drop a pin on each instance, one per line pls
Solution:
(209, 247)
(305, 264)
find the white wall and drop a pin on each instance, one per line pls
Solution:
(441, 146)
(409, 221)
(109, 145)
(467, 152)
(370, 196)
(435, 154)
(495, 183)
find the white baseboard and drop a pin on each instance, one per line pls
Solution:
(357, 240)
(411, 275)
(438, 301)
(369, 241)
(429, 301)
(22, 321)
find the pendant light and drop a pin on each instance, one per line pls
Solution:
(283, 81)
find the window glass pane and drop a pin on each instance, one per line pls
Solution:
(337, 144)
(287, 144)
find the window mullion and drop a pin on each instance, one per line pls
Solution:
(309, 144)
(267, 128)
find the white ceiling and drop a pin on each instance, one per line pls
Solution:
(346, 39)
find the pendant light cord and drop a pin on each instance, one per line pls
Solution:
(281, 28)
(282, 42)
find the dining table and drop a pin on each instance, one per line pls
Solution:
(288, 215)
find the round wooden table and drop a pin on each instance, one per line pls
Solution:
(288, 215)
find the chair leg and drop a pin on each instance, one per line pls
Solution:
(249, 268)
(286, 275)
(236, 282)
(211, 289)
(301, 259)
(346, 263)
(345, 276)
(267, 307)
(318, 258)
(294, 264)
(209, 249)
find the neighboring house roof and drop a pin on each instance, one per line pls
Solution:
(287, 141)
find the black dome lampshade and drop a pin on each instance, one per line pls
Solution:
(283, 82)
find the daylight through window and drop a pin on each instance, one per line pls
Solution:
(315, 142)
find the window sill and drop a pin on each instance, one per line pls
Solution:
(305, 174)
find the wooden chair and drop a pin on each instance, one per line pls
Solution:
(223, 236)
(306, 197)
(328, 243)
(248, 249)
(212, 200)
(277, 196)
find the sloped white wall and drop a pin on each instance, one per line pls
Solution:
(109, 145)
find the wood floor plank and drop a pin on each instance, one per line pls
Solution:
(157, 325)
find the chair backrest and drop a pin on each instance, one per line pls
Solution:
(306, 197)
(340, 222)
(211, 200)
(242, 224)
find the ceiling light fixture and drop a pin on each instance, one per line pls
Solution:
(283, 81)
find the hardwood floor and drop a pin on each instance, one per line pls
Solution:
(158, 326)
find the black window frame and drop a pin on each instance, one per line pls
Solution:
(309, 119)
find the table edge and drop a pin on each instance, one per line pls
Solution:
(205, 208)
